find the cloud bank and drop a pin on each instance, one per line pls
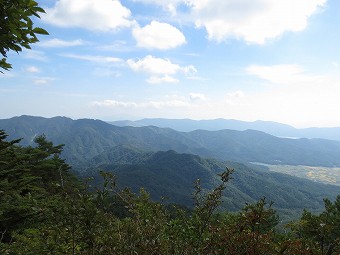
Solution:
(254, 21)
(99, 15)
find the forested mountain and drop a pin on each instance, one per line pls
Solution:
(171, 175)
(45, 209)
(86, 138)
(140, 157)
(270, 127)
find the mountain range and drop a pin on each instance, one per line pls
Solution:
(270, 127)
(167, 162)
(86, 138)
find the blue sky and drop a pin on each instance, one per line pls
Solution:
(200, 59)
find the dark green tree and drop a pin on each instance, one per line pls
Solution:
(323, 228)
(27, 176)
(17, 30)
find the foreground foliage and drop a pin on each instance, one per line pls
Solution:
(17, 30)
(45, 210)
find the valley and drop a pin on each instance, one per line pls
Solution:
(167, 162)
(327, 175)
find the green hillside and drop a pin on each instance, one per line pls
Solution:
(171, 175)
(85, 139)
(130, 152)
(45, 209)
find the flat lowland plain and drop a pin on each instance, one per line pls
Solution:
(327, 175)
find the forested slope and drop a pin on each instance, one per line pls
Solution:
(44, 209)
(87, 138)
(171, 175)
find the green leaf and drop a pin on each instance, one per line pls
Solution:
(5, 65)
(38, 9)
(41, 31)
(17, 28)
(17, 48)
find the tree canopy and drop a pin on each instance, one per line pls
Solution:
(17, 30)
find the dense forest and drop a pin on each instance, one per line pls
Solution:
(45, 209)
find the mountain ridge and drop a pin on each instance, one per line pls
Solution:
(270, 127)
(86, 138)
(166, 161)
(171, 174)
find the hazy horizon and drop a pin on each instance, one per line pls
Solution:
(140, 119)
(128, 60)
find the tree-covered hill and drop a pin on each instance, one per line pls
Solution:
(171, 175)
(86, 138)
(256, 146)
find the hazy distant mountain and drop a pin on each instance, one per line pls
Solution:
(273, 128)
(187, 125)
(171, 174)
(87, 138)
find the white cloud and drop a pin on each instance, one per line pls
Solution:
(119, 45)
(162, 79)
(32, 69)
(168, 104)
(197, 96)
(161, 2)
(36, 55)
(114, 103)
(190, 71)
(158, 35)
(43, 80)
(236, 94)
(159, 69)
(169, 5)
(97, 59)
(281, 74)
(255, 21)
(236, 98)
(153, 65)
(304, 100)
(106, 72)
(58, 43)
(335, 64)
(304, 104)
(150, 104)
(100, 15)
(40, 81)
(298, 97)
